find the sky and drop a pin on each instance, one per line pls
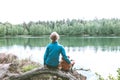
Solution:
(19, 11)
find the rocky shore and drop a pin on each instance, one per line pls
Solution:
(11, 68)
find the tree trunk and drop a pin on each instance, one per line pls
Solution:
(39, 71)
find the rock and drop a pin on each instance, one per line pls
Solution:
(3, 58)
(7, 58)
(4, 69)
(10, 70)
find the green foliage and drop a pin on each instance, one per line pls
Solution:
(20, 30)
(110, 77)
(28, 67)
(38, 29)
(118, 71)
(101, 27)
(99, 76)
(2, 30)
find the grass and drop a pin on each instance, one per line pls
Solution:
(28, 67)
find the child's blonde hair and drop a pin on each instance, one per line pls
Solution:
(54, 36)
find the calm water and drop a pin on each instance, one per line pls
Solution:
(99, 54)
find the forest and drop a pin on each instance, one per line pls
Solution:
(96, 27)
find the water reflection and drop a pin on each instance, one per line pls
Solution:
(109, 49)
(105, 43)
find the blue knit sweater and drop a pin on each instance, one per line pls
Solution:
(52, 53)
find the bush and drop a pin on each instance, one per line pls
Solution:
(28, 67)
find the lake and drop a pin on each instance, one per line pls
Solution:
(99, 54)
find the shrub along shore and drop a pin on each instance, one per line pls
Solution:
(96, 27)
